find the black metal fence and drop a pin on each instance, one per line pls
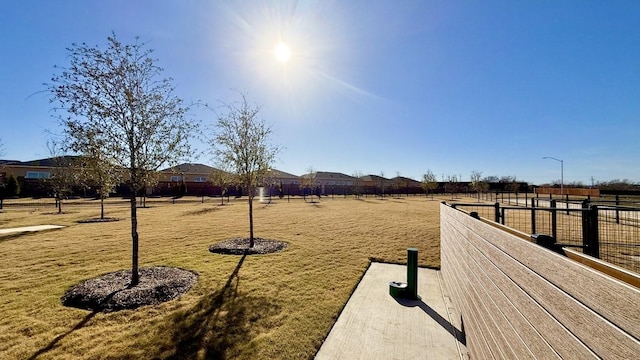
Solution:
(599, 229)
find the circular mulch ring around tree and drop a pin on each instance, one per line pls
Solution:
(97, 220)
(111, 292)
(240, 246)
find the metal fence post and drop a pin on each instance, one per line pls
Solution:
(554, 219)
(497, 211)
(586, 229)
(594, 237)
(617, 207)
(533, 216)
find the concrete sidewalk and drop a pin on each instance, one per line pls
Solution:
(29, 229)
(374, 325)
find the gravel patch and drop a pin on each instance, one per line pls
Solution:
(240, 246)
(111, 292)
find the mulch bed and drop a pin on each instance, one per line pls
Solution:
(240, 246)
(98, 220)
(111, 292)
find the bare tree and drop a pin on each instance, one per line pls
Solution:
(148, 180)
(397, 184)
(513, 186)
(477, 184)
(308, 182)
(96, 169)
(2, 164)
(65, 173)
(616, 184)
(429, 182)
(452, 185)
(2, 174)
(491, 179)
(357, 183)
(268, 182)
(117, 94)
(382, 183)
(223, 180)
(242, 143)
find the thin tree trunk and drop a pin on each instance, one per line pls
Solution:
(134, 242)
(101, 206)
(59, 204)
(250, 220)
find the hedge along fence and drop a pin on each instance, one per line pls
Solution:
(519, 300)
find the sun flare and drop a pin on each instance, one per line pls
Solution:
(282, 52)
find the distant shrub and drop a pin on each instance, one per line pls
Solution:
(12, 188)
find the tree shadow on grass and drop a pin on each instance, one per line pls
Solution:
(55, 341)
(202, 211)
(78, 326)
(219, 324)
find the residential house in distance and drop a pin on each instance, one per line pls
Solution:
(31, 173)
(196, 179)
(374, 184)
(276, 179)
(405, 185)
(330, 183)
(186, 179)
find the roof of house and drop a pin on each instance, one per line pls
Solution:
(48, 162)
(373, 178)
(275, 173)
(191, 168)
(405, 180)
(326, 175)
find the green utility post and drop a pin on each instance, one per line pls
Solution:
(408, 290)
(412, 274)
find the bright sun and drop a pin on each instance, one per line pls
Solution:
(282, 52)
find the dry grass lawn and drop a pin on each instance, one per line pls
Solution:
(275, 306)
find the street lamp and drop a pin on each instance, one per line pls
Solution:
(561, 172)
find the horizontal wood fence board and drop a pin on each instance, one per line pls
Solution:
(455, 317)
(539, 304)
(476, 342)
(553, 332)
(609, 297)
(522, 330)
(617, 272)
(486, 311)
(496, 344)
(602, 336)
(496, 326)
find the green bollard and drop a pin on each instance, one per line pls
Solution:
(412, 274)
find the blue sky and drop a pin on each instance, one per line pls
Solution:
(372, 86)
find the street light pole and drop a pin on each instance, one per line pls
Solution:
(561, 173)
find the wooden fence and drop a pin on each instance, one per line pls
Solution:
(519, 300)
